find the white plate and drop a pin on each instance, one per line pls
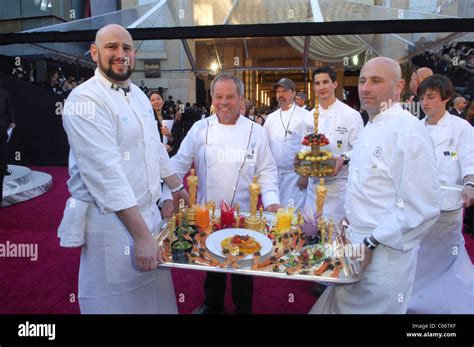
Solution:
(213, 241)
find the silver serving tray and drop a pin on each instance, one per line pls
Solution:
(350, 273)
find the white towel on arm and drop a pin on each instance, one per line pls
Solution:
(72, 229)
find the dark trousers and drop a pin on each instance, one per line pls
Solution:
(469, 220)
(3, 158)
(242, 292)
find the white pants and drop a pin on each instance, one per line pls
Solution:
(444, 280)
(287, 185)
(109, 281)
(334, 202)
(385, 287)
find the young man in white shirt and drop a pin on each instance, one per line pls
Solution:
(444, 280)
(341, 124)
(116, 162)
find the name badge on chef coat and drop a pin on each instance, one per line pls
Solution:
(251, 153)
(454, 155)
(339, 144)
(451, 142)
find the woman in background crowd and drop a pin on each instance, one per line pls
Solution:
(157, 104)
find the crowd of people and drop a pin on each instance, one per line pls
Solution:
(454, 61)
(406, 227)
(58, 82)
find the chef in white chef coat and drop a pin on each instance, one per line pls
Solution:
(389, 206)
(285, 129)
(116, 163)
(341, 124)
(444, 280)
(228, 149)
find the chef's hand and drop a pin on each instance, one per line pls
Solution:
(468, 196)
(147, 253)
(273, 208)
(168, 148)
(302, 182)
(182, 194)
(367, 256)
(339, 165)
(168, 209)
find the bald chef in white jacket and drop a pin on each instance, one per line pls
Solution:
(116, 163)
(444, 280)
(341, 124)
(285, 129)
(389, 205)
(228, 150)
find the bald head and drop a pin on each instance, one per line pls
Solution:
(380, 84)
(114, 54)
(418, 76)
(424, 72)
(387, 64)
(111, 30)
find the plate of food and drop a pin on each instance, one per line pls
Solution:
(314, 260)
(239, 241)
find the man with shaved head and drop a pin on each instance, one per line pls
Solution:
(116, 163)
(388, 208)
(416, 78)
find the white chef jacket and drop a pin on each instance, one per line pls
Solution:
(393, 185)
(219, 153)
(116, 161)
(453, 139)
(341, 124)
(116, 158)
(284, 145)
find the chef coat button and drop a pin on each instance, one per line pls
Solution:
(400, 203)
(366, 145)
(348, 212)
(148, 163)
(357, 169)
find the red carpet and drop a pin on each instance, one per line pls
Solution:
(49, 285)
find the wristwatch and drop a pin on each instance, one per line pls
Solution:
(178, 188)
(346, 159)
(371, 242)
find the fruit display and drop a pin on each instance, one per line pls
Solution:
(315, 140)
(315, 162)
(307, 156)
